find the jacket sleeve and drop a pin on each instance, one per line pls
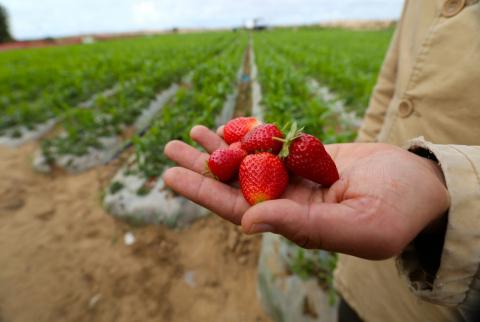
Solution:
(455, 279)
(383, 91)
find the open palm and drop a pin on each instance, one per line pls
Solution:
(384, 198)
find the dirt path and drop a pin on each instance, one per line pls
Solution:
(64, 259)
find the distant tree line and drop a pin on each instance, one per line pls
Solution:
(5, 35)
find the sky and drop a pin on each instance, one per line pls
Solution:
(31, 19)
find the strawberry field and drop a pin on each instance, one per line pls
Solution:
(84, 213)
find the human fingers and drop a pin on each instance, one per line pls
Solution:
(225, 201)
(207, 138)
(186, 156)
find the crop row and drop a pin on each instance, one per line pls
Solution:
(112, 115)
(69, 72)
(346, 61)
(52, 81)
(286, 95)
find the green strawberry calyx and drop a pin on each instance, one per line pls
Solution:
(293, 134)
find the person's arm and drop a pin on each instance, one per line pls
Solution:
(442, 264)
(383, 91)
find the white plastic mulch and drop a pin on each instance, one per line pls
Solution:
(159, 206)
(40, 130)
(336, 105)
(95, 157)
(26, 135)
(76, 164)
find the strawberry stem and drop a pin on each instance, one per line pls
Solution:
(279, 139)
(293, 134)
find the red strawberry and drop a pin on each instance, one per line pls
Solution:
(263, 176)
(224, 163)
(260, 139)
(236, 129)
(308, 158)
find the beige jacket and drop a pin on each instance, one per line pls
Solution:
(429, 86)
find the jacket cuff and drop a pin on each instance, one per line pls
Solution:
(455, 280)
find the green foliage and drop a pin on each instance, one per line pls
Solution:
(143, 191)
(347, 61)
(39, 84)
(110, 115)
(285, 94)
(115, 187)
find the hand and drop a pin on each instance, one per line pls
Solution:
(385, 197)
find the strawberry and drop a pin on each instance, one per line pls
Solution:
(263, 176)
(224, 163)
(236, 129)
(261, 139)
(305, 156)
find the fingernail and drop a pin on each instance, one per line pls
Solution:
(260, 228)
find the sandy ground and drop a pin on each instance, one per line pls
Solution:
(63, 258)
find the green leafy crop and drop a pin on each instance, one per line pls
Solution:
(109, 116)
(347, 61)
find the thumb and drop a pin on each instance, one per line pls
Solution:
(280, 216)
(328, 226)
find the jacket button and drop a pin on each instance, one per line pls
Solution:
(405, 108)
(453, 7)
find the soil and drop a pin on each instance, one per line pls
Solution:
(63, 258)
